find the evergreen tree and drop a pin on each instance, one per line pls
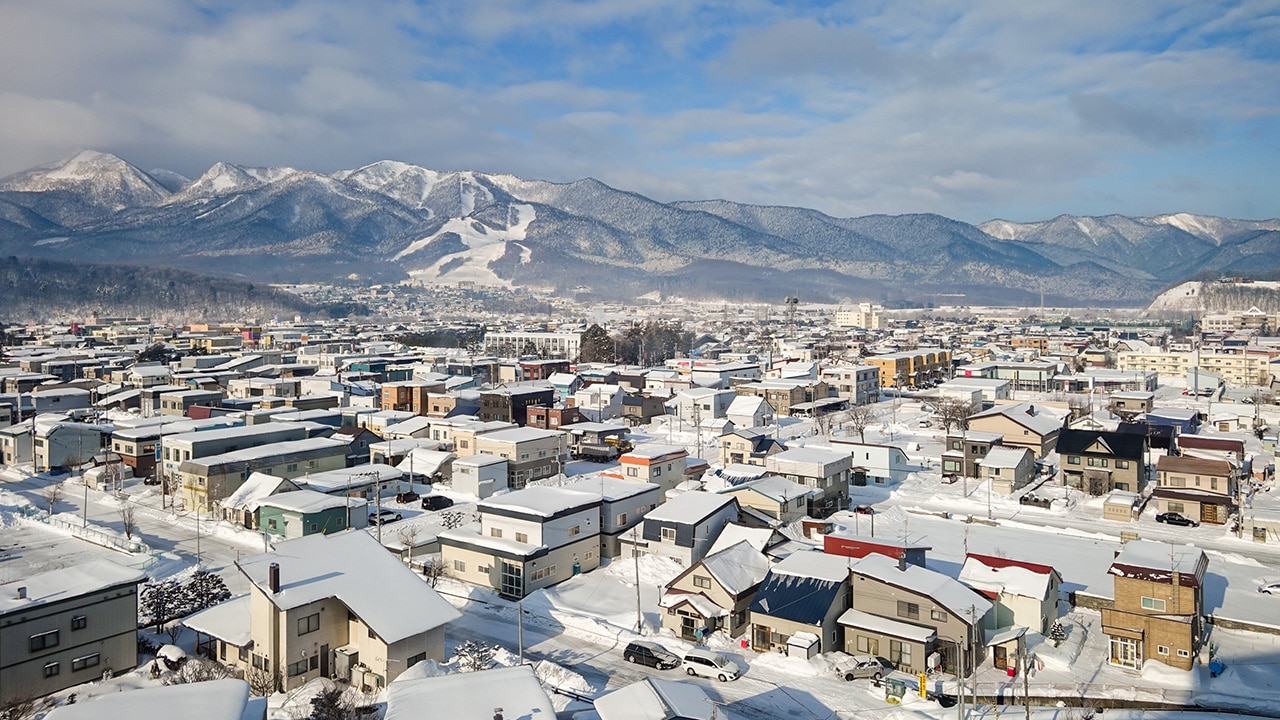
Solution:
(329, 705)
(1057, 633)
(203, 590)
(597, 346)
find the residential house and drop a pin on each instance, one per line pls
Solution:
(623, 504)
(526, 540)
(241, 507)
(873, 464)
(208, 480)
(369, 481)
(1202, 489)
(749, 412)
(565, 384)
(1022, 425)
(785, 501)
(531, 454)
(714, 593)
(660, 464)
(905, 613)
(599, 402)
(964, 448)
(180, 447)
(335, 606)
(480, 475)
(15, 443)
(500, 692)
(804, 593)
(292, 515)
(1132, 404)
(859, 384)
(640, 408)
(1097, 461)
(699, 403)
(824, 470)
(658, 699)
(1007, 469)
(859, 545)
(748, 446)
(509, 404)
(180, 403)
(785, 395)
(59, 443)
(226, 699)
(1024, 594)
(64, 627)
(360, 442)
(683, 527)
(552, 418)
(1159, 605)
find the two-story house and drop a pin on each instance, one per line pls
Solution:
(526, 540)
(749, 412)
(873, 464)
(783, 500)
(662, 465)
(1023, 593)
(1097, 461)
(64, 627)
(683, 527)
(804, 593)
(906, 612)
(531, 454)
(859, 384)
(337, 606)
(1201, 489)
(963, 450)
(748, 446)
(714, 593)
(782, 395)
(1022, 425)
(1158, 606)
(622, 506)
(508, 404)
(824, 470)
(1007, 469)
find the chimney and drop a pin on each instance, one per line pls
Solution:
(902, 561)
(22, 593)
(1031, 410)
(273, 577)
(497, 714)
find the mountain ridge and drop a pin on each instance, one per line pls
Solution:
(391, 220)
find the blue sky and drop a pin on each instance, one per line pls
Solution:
(975, 110)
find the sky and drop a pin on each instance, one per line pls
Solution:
(975, 110)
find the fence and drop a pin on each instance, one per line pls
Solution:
(98, 537)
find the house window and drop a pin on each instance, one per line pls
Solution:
(669, 533)
(495, 532)
(522, 537)
(309, 624)
(1176, 507)
(44, 640)
(900, 653)
(657, 472)
(1073, 459)
(1162, 649)
(633, 472)
(622, 518)
(314, 527)
(297, 668)
(1122, 464)
(1183, 653)
(1153, 604)
(414, 660)
(937, 615)
(701, 582)
(84, 661)
(291, 467)
(908, 610)
(459, 566)
(244, 654)
(79, 622)
(591, 554)
(1097, 462)
(575, 530)
(51, 669)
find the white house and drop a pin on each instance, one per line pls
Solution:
(599, 402)
(684, 527)
(480, 475)
(699, 403)
(874, 464)
(747, 411)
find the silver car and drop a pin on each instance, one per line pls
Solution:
(854, 667)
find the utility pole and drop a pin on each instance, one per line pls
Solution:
(520, 631)
(635, 554)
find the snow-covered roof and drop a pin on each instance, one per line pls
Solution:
(690, 508)
(774, 487)
(656, 699)
(306, 501)
(352, 567)
(611, 489)
(425, 462)
(1027, 415)
(885, 626)
(1004, 457)
(1010, 578)
(1157, 561)
(331, 481)
(738, 567)
(213, 700)
(469, 696)
(479, 460)
(540, 500)
(732, 534)
(653, 451)
(814, 564)
(228, 621)
(65, 583)
(249, 495)
(946, 591)
(705, 607)
(520, 434)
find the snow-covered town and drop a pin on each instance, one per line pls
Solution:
(812, 512)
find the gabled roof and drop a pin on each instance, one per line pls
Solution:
(1158, 561)
(468, 696)
(1024, 414)
(737, 568)
(352, 567)
(986, 573)
(796, 598)
(943, 590)
(690, 508)
(1119, 444)
(656, 699)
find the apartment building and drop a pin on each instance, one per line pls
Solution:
(208, 480)
(859, 384)
(784, 395)
(542, 344)
(1246, 370)
(911, 368)
(866, 316)
(509, 404)
(531, 454)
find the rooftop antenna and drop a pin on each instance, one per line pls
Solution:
(791, 302)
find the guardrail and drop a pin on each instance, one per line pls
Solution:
(98, 537)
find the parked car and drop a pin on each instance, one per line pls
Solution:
(383, 516)
(436, 502)
(1174, 518)
(406, 497)
(710, 664)
(652, 654)
(855, 667)
(1270, 588)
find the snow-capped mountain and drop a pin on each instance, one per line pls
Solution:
(390, 219)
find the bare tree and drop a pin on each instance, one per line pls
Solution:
(24, 707)
(407, 536)
(858, 418)
(954, 411)
(127, 521)
(198, 669)
(261, 682)
(433, 570)
(52, 494)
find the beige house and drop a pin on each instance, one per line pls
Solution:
(1021, 425)
(952, 615)
(777, 497)
(714, 593)
(335, 605)
(1201, 489)
(748, 446)
(531, 454)
(662, 465)
(65, 627)
(1007, 468)
(1159, 603)
(805, 592)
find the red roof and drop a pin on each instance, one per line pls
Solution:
(1003, 562)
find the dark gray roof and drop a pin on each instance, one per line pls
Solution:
(795, 598)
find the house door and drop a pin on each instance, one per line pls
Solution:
(688, 627)
(1125, 652)
(859, 478)
(1001, 656)
(1209, 513)
(324, 661)
(512, 584)
(760, 637)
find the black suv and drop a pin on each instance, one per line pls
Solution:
(651, 654)
(436, 502)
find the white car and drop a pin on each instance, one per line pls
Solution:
(710, 664)
(1270, 588)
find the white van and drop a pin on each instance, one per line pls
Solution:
(710, 664)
